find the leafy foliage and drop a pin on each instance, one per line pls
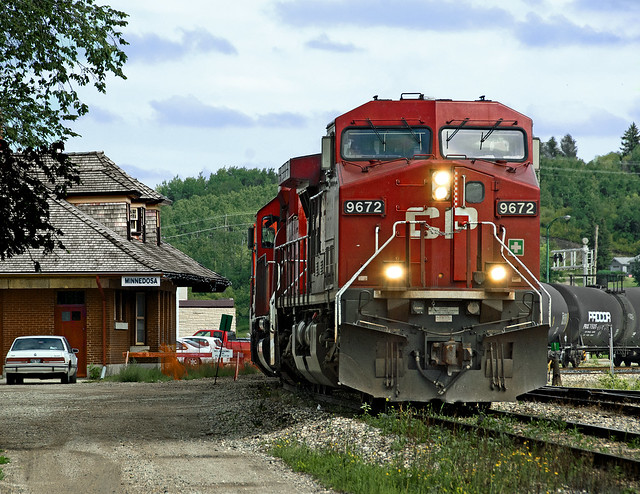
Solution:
(24, 195)
(48, 49)
(224, 181)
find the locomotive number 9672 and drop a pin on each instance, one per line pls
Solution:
(363, 206)
(517, 208)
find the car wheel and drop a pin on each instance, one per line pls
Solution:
(193, 361)
(73, 379)
(65, 379)
(11, 379)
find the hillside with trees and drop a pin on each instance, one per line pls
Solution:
(209, 216)
(603, 192)
(208, 220)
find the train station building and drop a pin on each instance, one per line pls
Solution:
(112, 289)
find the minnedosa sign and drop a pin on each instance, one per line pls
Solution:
(141, 281)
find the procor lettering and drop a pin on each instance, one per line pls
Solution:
(597, 316)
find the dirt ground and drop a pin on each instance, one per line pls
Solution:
(174, 437)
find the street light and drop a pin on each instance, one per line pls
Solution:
(566, 218)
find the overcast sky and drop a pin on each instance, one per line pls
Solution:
(214, 84)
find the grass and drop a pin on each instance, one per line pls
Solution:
(614, 381)
(438, 460)
(175, 370)
(3, 461)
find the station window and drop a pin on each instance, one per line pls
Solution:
(120, 306)
(141, 311)
(137, 220)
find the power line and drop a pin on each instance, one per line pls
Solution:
(587, 170)
(206, 230)
(252, 213)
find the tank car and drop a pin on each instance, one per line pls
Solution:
(590, 319)
(398, 261)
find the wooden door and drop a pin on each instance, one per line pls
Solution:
(71, 322)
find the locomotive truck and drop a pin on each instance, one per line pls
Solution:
(399, 261)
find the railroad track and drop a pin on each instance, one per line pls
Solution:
(619, 401)
(599, 369)
(605, 461)
(476, 421)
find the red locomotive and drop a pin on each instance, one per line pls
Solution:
(398, 262)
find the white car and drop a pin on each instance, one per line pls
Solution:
(43, 357)
(198, 351)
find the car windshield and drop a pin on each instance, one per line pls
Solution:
(38, 344)
(385, 143)
(485, 143)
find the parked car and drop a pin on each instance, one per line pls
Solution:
(43, 357)
(229, 340)
(205, 349)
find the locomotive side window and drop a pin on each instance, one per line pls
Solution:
(385, 143)
(484, 143)
(269, 229)
(474, 192)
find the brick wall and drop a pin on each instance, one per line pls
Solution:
(26, 312)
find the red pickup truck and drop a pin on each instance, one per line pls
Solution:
(229, 340)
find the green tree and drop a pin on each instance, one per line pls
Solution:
(634, 269)
(48, 50)
(569, 147)
(550, 148)
(630, 139)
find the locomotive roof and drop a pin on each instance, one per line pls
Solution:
(417, 111)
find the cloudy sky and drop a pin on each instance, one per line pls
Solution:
(213, 84)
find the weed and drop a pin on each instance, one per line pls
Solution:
(94, 372)
(3, 461)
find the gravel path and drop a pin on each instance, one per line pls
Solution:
(174, 437)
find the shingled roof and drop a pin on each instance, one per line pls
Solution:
(93, 248)
(100, 175)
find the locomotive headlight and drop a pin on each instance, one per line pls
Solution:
(394, 272)
(497, 273)
(441, 185)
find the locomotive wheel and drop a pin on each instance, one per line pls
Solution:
(617, 360)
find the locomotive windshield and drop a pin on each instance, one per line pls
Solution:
(487, 143)
(385, 143)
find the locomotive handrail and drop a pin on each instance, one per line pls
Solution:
(338, 304)
(293, 281)
(338, 307)
(503, 247)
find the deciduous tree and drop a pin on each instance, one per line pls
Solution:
(48, 50)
